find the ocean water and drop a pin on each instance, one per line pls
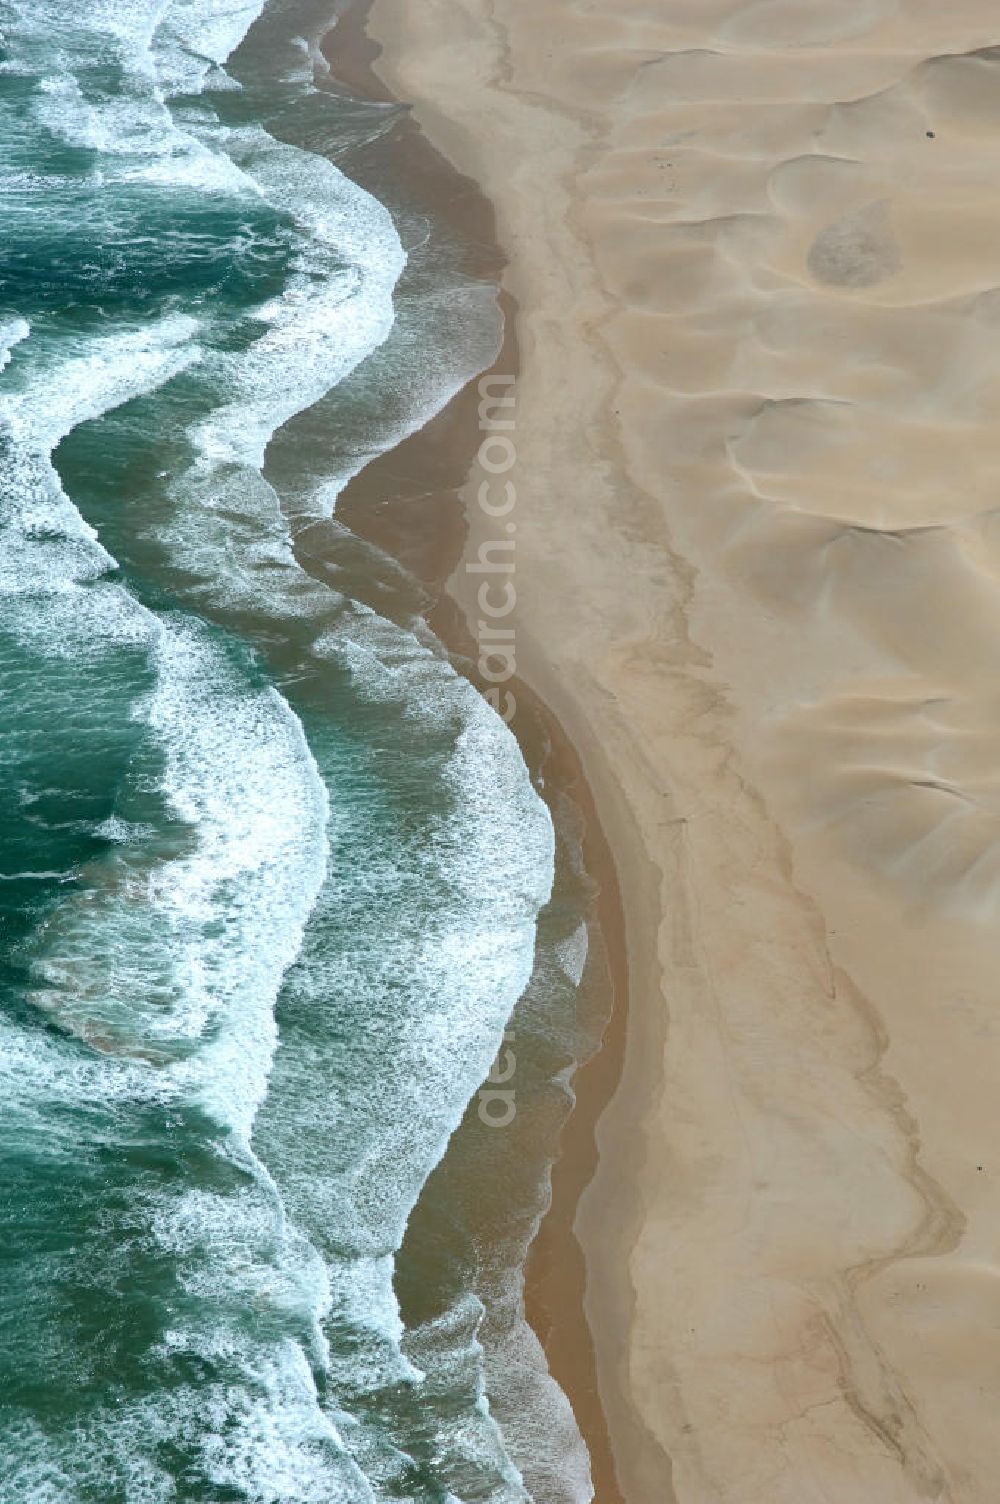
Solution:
(271, 872)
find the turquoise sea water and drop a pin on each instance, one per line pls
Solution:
(270, 870)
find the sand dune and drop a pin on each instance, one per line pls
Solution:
(757, 252)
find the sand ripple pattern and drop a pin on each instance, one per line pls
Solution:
(799, 223)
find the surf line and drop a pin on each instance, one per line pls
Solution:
(496, 496)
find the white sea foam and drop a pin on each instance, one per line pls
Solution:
(179, 961)
(40, 409)
(439, 343)
(538, 1421)
(194, 34)
(450, 1348)
(138, 139)
(239, 771)
(49, 553)
(263, 1439)
(11, 335)
(495, 847)
(39, 24)
(175, 42)
(571, 954)
(127, 125)
(166, 48)
(278, 1452)
(50, 558)
(335, 309)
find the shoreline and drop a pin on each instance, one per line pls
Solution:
(443, 453)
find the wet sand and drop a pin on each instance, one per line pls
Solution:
(754, 250)
(409, 503)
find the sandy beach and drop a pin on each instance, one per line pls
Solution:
(753, 248)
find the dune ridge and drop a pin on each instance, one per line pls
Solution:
(756, 251)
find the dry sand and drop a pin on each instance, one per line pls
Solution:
(756, 252)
